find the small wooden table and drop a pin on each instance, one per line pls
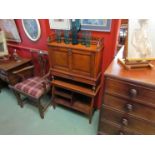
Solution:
(8, 67)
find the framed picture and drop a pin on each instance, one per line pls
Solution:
(96, 24)
(60, 24)
(3, 44)
(140, 41)
(10, 29)
(31, 28)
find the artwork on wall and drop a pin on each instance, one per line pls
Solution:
(10, 29)
(96, 24)
(61, 24)
(32, 28)
(141, 36)
(3, 44)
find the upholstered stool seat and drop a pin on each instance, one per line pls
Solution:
(35, 87)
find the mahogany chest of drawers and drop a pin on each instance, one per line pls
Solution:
(128, 101)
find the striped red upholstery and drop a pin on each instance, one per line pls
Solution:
(34, 87)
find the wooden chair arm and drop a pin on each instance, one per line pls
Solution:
(19, 72)
(23, 69)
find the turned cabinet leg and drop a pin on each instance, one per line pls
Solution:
(90, 119)
(53, 96)
(91, 110)
(18, 97)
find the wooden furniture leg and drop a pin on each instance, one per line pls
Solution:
(91, 110)
(20, 102)
(53, 96)
(41, 110)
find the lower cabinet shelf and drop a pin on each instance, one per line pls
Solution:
(77, 104)
(64, 93)
(74, 97)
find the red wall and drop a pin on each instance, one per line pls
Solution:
(40, 44)
(26, 42)
(110, 42)
(110, 46)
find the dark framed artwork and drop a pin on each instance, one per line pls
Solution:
(10, 29)
(32, 28)
(96, 24)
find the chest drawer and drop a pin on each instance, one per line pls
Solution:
(130, 91)
(110, 128)
(131, 107)
(127, 121)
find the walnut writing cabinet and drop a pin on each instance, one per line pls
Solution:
(128, 101)
(76, 68)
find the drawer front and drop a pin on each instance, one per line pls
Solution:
(110, 128)
(130, 91)
(128, 122)
(131, 107)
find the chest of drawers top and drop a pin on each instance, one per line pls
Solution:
(142, 76)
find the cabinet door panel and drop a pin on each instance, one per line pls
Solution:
(82, 63)
(60, 59)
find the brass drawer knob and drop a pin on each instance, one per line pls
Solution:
(129, 107)
(125, 121)
(133, 92)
